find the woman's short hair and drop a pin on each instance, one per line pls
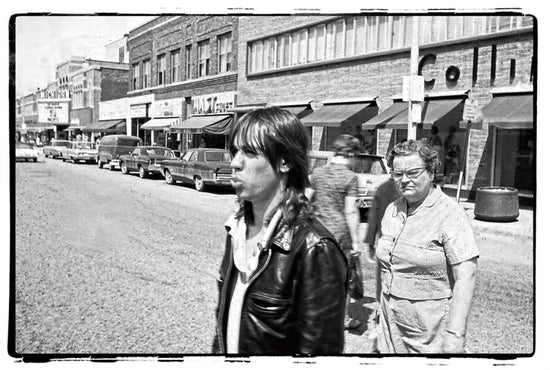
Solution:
(429, 155)
(279, 135)
(346, 146)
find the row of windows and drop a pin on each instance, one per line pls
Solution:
(361, 35)
(169, 71)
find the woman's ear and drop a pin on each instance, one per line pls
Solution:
(284, 167)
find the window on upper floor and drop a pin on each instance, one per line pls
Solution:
(352, 36)
(204, 58)
(224, 52)
(135, 76)
(161, 68)
(146, 73)
(188, 60)
(175, 61)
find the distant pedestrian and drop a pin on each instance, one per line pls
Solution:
(452, 156)
(283, 278)
(428, 256)
(359, 136)
(335, 188)
(370, 143)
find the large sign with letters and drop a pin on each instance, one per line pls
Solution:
(53, 111)
(213, 103)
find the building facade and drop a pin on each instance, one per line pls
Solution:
(350, 69)
(183, 79)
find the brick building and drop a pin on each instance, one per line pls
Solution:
(183, 80)
(349, 69)
(94, 82)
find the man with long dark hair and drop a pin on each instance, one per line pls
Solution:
(283, 278)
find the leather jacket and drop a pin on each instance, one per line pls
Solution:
(295, 302)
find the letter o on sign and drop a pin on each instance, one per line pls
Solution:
(452, 74)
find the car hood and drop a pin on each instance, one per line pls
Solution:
(369, 183)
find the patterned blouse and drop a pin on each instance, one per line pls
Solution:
(332, 184)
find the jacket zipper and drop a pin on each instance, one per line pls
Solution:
(223, 298)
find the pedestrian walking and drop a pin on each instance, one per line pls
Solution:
(427, 255)
(283, 278)
(333, 202)
(452, 156)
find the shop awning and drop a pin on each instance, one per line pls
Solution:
(299, 110)
(38, 128)
(510, 112)
(75, 127)
(214, 124)
(109, 126)
(334, 115)
(433, 112)
(160, 123)
(387, 115)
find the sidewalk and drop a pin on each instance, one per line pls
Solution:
(522, 227)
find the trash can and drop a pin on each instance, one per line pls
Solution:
(496, 203)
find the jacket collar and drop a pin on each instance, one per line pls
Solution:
(281, 237)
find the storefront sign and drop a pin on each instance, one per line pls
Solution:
(137, 111)
(113, 109)
(53, 111)
(213, 103)
(477, 99)
(167, 108)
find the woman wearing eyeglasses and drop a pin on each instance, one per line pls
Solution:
(428, 256)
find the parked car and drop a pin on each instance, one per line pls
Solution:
(145, 160)
(201, 166)
(111, 147)
(26, 151)
(54, 149)
(79, 151)
(372, 171)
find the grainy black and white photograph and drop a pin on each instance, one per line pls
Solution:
(238, 184)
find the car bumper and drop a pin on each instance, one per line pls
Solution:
(114, 162)
(155, 168)
(85, 157)
(219, 181)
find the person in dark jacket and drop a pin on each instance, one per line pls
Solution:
(283, 278)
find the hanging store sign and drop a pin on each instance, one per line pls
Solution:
(167, 108)
(53, 112)
(213, 103)
(137, 111)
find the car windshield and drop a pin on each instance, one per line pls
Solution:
(371, 165)
(24, 146)
(160, 152)
(85, 146)
(217, 157)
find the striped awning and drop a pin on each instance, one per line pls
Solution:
(510, 111)
(334, 115)
(160, 123)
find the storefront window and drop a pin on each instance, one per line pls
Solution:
(514, 161)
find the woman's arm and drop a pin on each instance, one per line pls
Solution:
(353, 219)
(463, 293)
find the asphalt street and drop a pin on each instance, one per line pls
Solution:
(111, 263)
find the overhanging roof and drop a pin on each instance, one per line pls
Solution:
(334, 115)
(201, 122)
(510, 111)
(106, 126)
(160, 123)
(433, 112)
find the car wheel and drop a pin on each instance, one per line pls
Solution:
(34, 159)
(111, 167)
(123, 168)
(169, 179)
(63, 159)
(199, 184)
(142, 172)
(99, 163)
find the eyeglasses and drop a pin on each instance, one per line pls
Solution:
(412, 173)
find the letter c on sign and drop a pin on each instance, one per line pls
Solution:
(428, 58)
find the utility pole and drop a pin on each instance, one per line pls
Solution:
(414, 85)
